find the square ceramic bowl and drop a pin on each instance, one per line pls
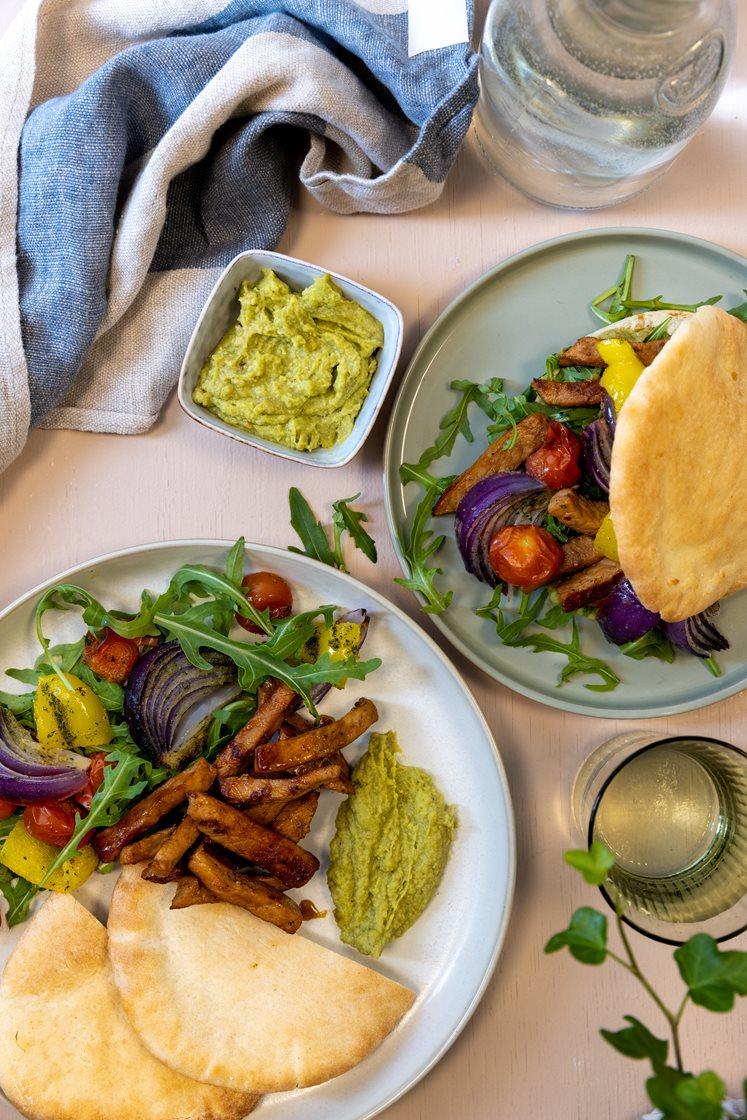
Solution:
(222, 309)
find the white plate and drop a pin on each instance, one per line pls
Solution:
(449, 955)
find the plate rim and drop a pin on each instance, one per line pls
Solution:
(443, 657)
(559, 703)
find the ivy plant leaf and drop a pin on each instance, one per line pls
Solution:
(682, 1096)
(347, 519)
(586, 937)
(637, 1041)
(594, 864)
(713, 977)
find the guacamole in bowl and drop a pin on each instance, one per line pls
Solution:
(296, 367)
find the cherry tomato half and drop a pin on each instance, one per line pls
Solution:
(95, 777)
(556, 463)
(52, 821)
(266, 591)
(111, 656)
(525, 556)
(7, 809)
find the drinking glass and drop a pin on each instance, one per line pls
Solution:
(674, 814)
(584, 103)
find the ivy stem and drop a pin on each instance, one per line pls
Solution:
(672, 1018)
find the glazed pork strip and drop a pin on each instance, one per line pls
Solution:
(338, 785)
(295, 818)
(165, 862)
(237, 754)
(588, 586)
(232, 829)
(266, 812)
(585, 352)
(578, 553)
(145, 848)
(190, 892)
(504, 454)
(287, 754)
(255, 895)
(248, 790)
(146, 813)
(578, 513)
(568, 394)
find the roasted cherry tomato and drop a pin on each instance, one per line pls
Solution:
(95, 777)
(7, 809)
(525, 556)
(52, 821)
(266, 592)
(111, 656)
(556, 463)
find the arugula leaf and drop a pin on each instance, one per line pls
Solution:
(122, 783)
(615, 295)
(637, 1041)
(620, 305)
(740, 311)
(417, 548)
(313, 536)
(310, 531)
(712, 666)
(594, 864)
(653, 644)
(492, 606)
(234, 567)
(557, 529)
(257, 661)
(226, 721)
(413, 472)
(713, 977)
(196, 579)
(658, 303)
(345, 519)
(657, 333)
(578, 663)
(21, 705)
(508, 411)
(585, 937)
(681, 1096)
(18, 893)
(453, 423)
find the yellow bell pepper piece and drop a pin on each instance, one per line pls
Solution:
(30, 858)
(71, 718)
(340, 641)
(623, 368)
(605, 541)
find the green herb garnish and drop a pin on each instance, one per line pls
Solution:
(620, 305)
(313, 536)
(418, 546)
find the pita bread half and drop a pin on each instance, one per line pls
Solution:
(224, 997)
(67, 1050)
(678, 482)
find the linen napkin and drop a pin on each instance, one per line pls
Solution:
(143, 143)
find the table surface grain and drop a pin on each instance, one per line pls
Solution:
(532, 1048)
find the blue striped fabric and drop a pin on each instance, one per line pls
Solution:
(110, 193)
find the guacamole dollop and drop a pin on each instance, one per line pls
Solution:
(391, 844)
(296, 367)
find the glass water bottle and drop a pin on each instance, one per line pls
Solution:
(584, 103)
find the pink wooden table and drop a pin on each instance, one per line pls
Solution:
(532, 1049)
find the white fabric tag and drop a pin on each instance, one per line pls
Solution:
(436, 23)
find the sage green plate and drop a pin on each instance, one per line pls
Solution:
(505, 325)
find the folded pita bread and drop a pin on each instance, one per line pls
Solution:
(678, 483)
(67, 1050)
(224, 997)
